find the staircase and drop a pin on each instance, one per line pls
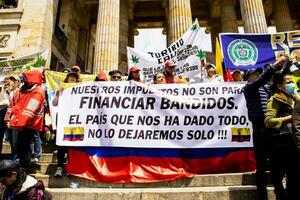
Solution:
(232, 186)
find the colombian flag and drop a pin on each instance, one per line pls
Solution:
(220, 68)
(73, 133)
(240, 134)
(141, 165)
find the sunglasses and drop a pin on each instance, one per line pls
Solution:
(116, 77)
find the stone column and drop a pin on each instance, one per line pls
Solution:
(228, 16)
(107, 36)
(282, 17)
(253, 16)
(131, 34)
(123, 37)
(180, 18)
(214, 29)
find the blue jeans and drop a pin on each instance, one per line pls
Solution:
(13, 139)
(2, 127)
(37, 145)
(25, 139)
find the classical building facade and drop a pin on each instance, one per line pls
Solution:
(94, 34)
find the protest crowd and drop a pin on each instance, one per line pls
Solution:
(272, 100)
(273, 108)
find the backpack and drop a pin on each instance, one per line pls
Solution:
(43, 195)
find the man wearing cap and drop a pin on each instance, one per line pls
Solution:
(66, 70)
(27, 114)
(101, 76)
(76, 69)
(257, 93)
(169, 72)
(115, 75)
(20, 186)
(237, 75)
(134, 74)
(211, 74)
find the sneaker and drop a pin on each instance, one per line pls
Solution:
(59, 172)
(34, 160)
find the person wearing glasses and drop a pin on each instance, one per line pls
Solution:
(115, 75)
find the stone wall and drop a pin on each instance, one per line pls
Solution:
(36, 27)
(74, 16)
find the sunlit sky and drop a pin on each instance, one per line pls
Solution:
(152, 40)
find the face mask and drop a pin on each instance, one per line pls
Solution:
(295, 67)
(290, 88)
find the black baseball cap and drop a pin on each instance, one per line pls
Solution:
(6, 167)
(252, 71)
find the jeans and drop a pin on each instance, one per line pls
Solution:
(2, 126)
(13, 139)
(283, 156)
(24, 147)
(37, 145)
(261, 140)
(61, 152)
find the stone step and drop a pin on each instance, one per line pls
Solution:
(46, 148)
(196, 193)
(45, 157)
(209, 180)
(48, 158)
(44, 168)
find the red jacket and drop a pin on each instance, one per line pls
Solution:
(27, 106)
(171, 78)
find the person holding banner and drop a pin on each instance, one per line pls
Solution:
(257, 93)
(71, 77)
(283, 150)
(27, 114)
(115, 75)
(237, 75)
(76, 69)
(101, 76)
(66, 70)
(159, 78)
(169, 72)
(134, 75)
(212, 76)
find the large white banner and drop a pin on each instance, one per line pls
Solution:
(131, 114)
(186, 52)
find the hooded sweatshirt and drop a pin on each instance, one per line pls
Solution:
(26, 109)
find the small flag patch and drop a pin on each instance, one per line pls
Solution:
(240, 134)
(73, 133)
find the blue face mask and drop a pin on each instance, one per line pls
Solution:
(295, 67)
(290, 88)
